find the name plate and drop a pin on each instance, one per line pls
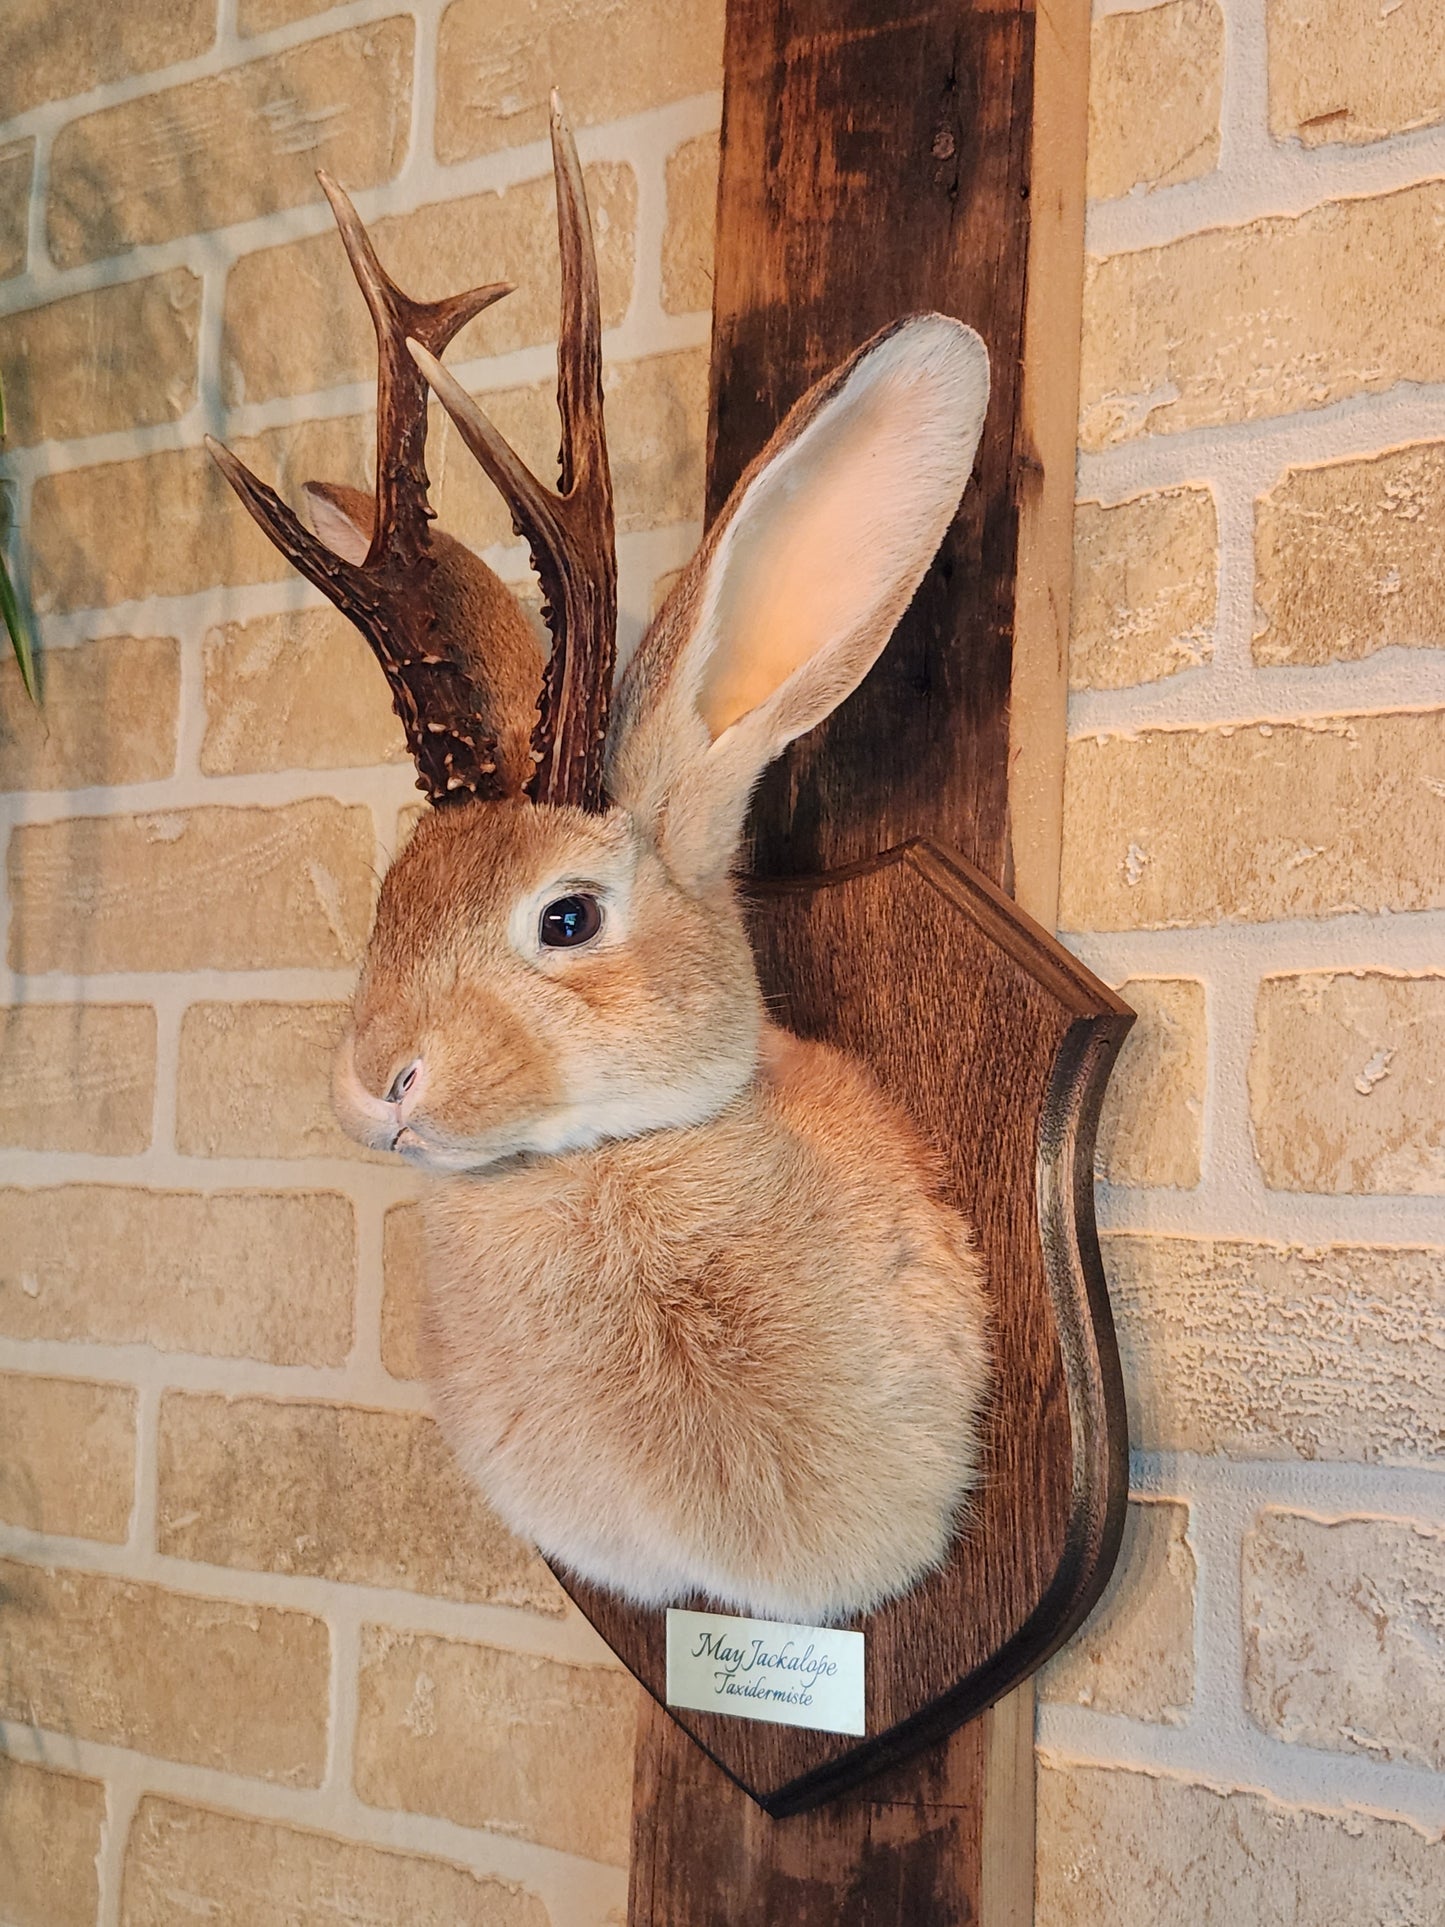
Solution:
(759, 1669)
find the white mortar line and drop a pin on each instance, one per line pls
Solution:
(345, 1700)
(566, 1638)
(124, 1786)
(1408, 940)
(1294, 1776)
(1390, 681)
(421, 182)
(1256, 452)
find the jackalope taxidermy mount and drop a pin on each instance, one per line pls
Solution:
(699, 1318)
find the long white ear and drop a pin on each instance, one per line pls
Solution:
(798, 588)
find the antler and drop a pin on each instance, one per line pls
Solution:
(389, 595)
(569, 531)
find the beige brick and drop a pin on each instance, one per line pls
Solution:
(1347, 1082)
(401, 1305)
(656, 434)
(255, 1082)
(498, 59)
(1121, 1849)
(184, 1862)
(1151, 1129)
(299, 691)
(173, 525)
(1349, 558)
(67, 1456)
(50, 49)
(17, 168)
(1277, 315)
(368, 1498)
(1265, 1351)
(1345, 70)
(112, 358)
(1342, 1635)
(495, 1739)
(50, 1831)
(1135, 1654)
(1253, 821)
(294, 320)
(78, 1077)
(687, 243)
(261, 16)
(204, 1681)
(108, 716)
(218, 889)
(231, 1274)
(251, 140)
(1144, 592)
(1156, 79)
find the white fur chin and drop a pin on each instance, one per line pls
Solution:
(584, 1125)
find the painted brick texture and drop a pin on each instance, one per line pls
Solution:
(1342, 1639)
(1155, 80)
(109, 716)
(205, 1682)
(53, 1824)
(491, 1738)
(67, 1456)
(1251, 846)
(369, 1498)
(253, 136)
(1136, 1850)
(184, 1860)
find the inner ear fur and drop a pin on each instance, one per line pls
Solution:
(802, 580)
(480, 624)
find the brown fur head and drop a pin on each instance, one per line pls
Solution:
(541, 978)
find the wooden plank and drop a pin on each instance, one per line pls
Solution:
(875, 163)
(917, 1847)
(1048, 414)
(879, 159)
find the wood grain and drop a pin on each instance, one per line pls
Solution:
(875, 163)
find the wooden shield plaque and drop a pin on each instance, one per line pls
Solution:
(998, 1044)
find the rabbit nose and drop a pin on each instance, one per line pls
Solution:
(404, 1082)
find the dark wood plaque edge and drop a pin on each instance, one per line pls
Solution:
(1073, 1266)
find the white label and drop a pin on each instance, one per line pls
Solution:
(761, 1670)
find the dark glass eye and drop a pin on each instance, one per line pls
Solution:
(570, 921)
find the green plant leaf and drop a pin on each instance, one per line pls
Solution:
(17, 626)
(19, 631)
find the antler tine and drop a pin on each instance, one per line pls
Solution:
(345, 583)
(389, 595)
(570, 533)
(538, 511)
(399, 531)
(336, 578)
(579, 371)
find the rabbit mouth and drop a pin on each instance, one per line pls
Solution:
(409, 1143)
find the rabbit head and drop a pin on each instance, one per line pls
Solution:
(558, 956)
(541, 977)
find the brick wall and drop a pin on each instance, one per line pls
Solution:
(267, 1660)
(1255, 848)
